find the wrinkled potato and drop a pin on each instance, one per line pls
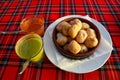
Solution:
(91, 42)
(61, 39)
(81, 37)
(74, 47)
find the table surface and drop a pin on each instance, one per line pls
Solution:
(107, 12)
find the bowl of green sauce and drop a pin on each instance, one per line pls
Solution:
(30, 46)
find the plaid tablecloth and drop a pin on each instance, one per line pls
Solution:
(12, 12)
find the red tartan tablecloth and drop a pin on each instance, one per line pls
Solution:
(107, 12)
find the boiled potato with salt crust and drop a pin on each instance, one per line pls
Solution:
(91, 42)
(81, 36)
(83, 48)
(73, 30)
(74, 47)
(63, 27)
(61, 39)
(91, 32)
(76, 21)
(85, 25)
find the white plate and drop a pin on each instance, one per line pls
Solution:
(83, 67)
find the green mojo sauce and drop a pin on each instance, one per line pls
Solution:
(30, 48)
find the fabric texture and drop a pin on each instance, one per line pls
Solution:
(107, 12)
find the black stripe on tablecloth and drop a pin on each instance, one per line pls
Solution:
(5, 9)
(61, 8)
(86, 7)
(113, 12)
(38, 8)
(73, 9)
(99, 11)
